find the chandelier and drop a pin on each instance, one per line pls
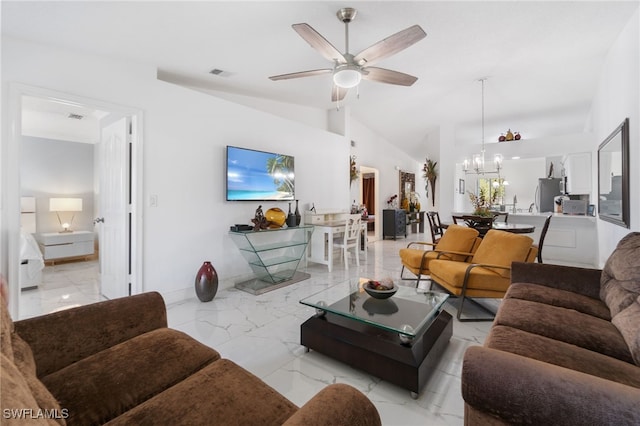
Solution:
(477, 163)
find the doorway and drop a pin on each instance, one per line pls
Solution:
(125, 265)
(370, 196)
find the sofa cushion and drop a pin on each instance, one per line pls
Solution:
(628, 323)
(19, 354)
(501, 248)
(556, 297)
(104, 385)
(6, 330)
(620, 281)
(16, 396)
(221, 393)
(563, 354)
(484, 282)
(563, 324)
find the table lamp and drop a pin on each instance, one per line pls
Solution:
(63, 205)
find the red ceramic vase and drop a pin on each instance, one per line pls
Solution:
(206, 282)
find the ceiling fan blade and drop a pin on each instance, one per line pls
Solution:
(390, 45)
(383, 75)
(301, 74)
(319, 43)
(338, 93)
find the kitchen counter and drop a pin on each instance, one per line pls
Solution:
(571, 239)
(555, 215)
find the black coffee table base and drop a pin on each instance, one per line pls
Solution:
(377, 351)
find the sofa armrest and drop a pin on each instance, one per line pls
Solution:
(583, 281)
(62, 338)
(518, 389)
(336, 404)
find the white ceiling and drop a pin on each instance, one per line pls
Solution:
(542, 58)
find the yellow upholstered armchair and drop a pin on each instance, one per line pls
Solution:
(488, 273)
(457, 244)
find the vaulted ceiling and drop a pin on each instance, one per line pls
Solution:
(542, 59)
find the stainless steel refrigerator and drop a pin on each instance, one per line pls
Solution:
(547, 189)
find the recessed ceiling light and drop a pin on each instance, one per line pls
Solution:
(515, 158)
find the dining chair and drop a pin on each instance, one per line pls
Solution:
(497, 217)
(543, 234)
(435, 226)
(350, 239)
(481, 223)
(456, 218)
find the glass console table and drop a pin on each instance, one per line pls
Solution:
(273, 255)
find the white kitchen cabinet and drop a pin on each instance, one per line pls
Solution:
(577, 168)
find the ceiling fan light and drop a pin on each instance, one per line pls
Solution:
(347, 78)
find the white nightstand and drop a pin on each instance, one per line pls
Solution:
(59, 245)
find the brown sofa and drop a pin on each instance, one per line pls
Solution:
(116, 362)
(564, 348)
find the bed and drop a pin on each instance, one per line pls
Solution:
(31, 260)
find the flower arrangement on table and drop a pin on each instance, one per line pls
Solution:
(414, 201)
(391, 202)
(481, 203)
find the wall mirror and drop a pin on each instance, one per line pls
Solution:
(613, 176)
(407, 184)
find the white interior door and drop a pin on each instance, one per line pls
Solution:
(113, 209)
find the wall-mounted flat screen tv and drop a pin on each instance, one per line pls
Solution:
(259, 176)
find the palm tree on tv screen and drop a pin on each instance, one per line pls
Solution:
(281, 168)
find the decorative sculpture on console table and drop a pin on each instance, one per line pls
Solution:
(259, 221)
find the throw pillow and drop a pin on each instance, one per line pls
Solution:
(620, 280)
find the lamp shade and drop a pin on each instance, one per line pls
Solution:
(65, 204)
(347, 77)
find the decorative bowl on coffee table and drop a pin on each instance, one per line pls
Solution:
(379, 290)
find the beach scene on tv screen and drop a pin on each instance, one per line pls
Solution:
(257, 175)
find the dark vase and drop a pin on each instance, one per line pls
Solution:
(206, 282)
(298, 217)
(291, 218)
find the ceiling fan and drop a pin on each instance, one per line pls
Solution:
(348, 69)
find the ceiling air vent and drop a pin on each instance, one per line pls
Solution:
(216, 71)
(75, 116)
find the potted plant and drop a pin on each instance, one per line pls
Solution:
(481, 203)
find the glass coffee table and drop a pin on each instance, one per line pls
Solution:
(399, 339)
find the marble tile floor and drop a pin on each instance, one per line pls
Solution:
(261, 333)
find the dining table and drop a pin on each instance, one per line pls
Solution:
(321, 249)
(515, 228)
(481, 223)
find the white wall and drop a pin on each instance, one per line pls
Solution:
(52, 168)
(372, 150)
(618, 97)
(185, 134)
